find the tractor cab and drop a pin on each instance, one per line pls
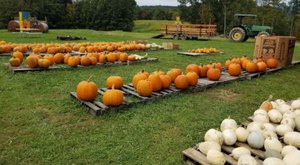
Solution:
(241, 32)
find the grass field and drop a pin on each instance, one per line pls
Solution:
(41, 124)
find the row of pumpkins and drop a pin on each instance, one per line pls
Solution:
(204, 50)
(53, 48)
(37, 61)
(272, 122)
(145, 83)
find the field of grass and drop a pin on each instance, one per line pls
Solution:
(149, 25)
(41, 124)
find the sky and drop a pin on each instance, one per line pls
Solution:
(157, 2)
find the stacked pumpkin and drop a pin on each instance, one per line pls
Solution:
(273, 121)
(235, 65)
(88, 91)
(204, 50)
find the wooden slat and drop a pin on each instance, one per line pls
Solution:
(195, 155)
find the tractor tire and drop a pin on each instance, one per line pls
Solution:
(237, 34)
(263, 34)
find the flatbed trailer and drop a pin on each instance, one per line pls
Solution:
(187, 31)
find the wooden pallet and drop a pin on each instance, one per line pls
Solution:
(63, 66)
(199, 54)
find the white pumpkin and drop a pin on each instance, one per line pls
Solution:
(246, 160)
(260, 111)
(261, 118)
(289, 114)
(288, 121)
(241, 134)
(229, 137)
(286, 149)
(204, 147)
(228, 124)
(281, 130)
(279, 101)
(269, 127)
(239, 151)
(292, 158)
(272, 143)
(255, 126)
(297, 112)
(296, 104)
(269, 133)
(214, 135)
(292, 138)
(274, 104)
(275, 116)
(215, 157)
(273, 161)
(256, 140)
(297, 122)
(283, 108)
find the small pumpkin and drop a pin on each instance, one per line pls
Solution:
(111, 57)
(213, 74)
(234, 69)
(203, 71)
(73, 61)
(272, 62)
(144, 88)
(123, 57)
(85, 61)
(261, 66)
(181, 82)
(32, 61)
(192, 68)
(18, 55)
(87, 90)
(66, 57)
(192, 78)
(14, 62)
(137, 77)
(44, 63)
(58, 58)
(156, 82)
(112, 97)
(93, 60)
(50, 58)
(115, 81)
(251, 67)
(166, 81)
(102, 58)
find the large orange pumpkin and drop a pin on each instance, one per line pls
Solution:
(234, 69)
(85, 61)
(115, 81)
(172, 74)
(166, 81)
(181, 82)
(272, 62)
(261, 66)
(137, 77)
(111, 57)
(44, 63)
(251, 67)
(73, 61)
(123, 57)
(214, 74)
(87, 90)
(32, 61)
(177, 71)
(192, 78)
(156, 82)
(52, 50)
(50, 58)
(102, 58)
(18, 55)
(203, 71)
(14, 62)
(66, 57)
(113, 97)
(58, 58)
(93, 60)
(227, 63)
(144, 88)
(192, 68)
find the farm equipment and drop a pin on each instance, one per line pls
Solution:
(241, 32)
(35, 25)
(187, 31)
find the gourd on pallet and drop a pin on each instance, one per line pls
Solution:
(256, 139)
(229, 136)
(275, 116)
(246, 160)
(292, 138)
(281, 130)
(261, 118)
(241, 134)
(204, 147)
(228, 124)
(215, 157)
(239, 151)
(288, 121)
(273, 161)
(286, 149)
(292, 158)
(296, 104)
(214, 135)
(272, 143)
(297, 122)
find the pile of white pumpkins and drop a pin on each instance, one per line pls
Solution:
(275, 128)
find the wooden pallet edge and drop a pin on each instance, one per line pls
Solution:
(92, 108)
(194, 155)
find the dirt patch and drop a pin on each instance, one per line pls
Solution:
(222, 94)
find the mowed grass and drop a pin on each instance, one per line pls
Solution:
(41, 124)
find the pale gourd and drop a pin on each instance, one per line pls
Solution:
(228, 124)
(296, 104)
(286, 149)
(215, 157)
(214, 135)
(275, 116)
(260, 111)
(297, 112)
(229, 137)
(292, 158)
(246, 160)
(274, 104)
(241, 134)
(272, 153)
(261, 118)
(289, 114)
(268, 133)
(292, 138)
(256, 140)
(272, 143)
(279, 101)
(283, 108)
(273, 161)
(239, 151)
(281, 130)
(269, 127)
(288, 121)
(255, 126)
(204, 147)
(297, 122)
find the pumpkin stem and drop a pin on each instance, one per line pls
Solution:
(113, 86)
(270, 98)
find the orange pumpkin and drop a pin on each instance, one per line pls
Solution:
(87, 90)
(32, 61)
(166, 81)
(131, 58)
(177, 71)
(14, 62)
(245, 63)
(66, 57)
(145, 73)
(156, 82)
(192, 68)
(251, 67)
(52, 50)
(18, 55)
(44, 63)
(93, 60)
(261, 66)
(192, 78)
(159, 72)
(214, 74)
(123, 57)
(85, 61)
(50, 58)
(203, 71)
(111, 57)
(181, 82)
(137, 77)
(73, 61)
(234, 69)
(172, 74)
(144, 88)
(227, 63)
(115, 81)
(102, 58)
(82, 49)
(113, 97)
(272, 62)
(58, 58)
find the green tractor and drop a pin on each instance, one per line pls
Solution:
(241, 32)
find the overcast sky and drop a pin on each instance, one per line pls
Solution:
(157, 2)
